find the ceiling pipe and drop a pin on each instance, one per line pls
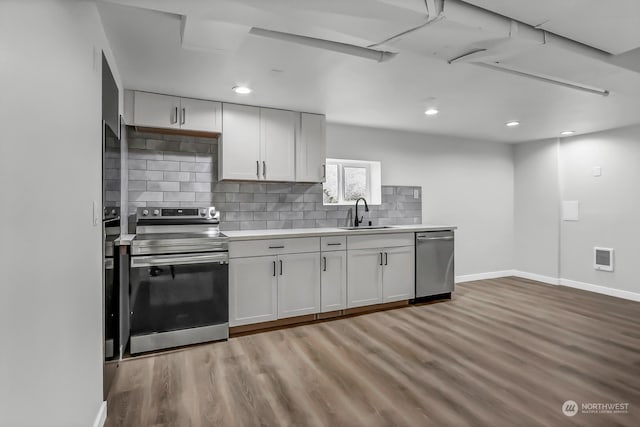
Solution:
(349, 49)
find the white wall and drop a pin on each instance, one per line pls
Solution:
(50, 251)
(609, 206)
(537, 215)
(465, 183)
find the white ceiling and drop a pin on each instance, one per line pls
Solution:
(474, 102)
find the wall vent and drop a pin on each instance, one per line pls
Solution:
(603, 259)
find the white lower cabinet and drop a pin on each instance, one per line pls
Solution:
(398, 281)
(298, 284)
(364, 278)
(380, 275)
(333, 282)
(253, 290)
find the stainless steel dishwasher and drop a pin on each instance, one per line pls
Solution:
(434, 265)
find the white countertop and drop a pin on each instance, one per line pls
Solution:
(319, 232)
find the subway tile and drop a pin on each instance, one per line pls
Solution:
(145, 196)
(112, 164)
(138, 143)
(315, 197)
(178, 176)
(326, 223)
(163, 186)
(279, 225)
(266, 216)
(162, 145)
(211, 197)
(304, 223)
(292, 215)
(114, 174)
(194, 204)
(162, 165)
(314, 215)
(276, 187)
(253, 188)
(144, 154)
(136, 175)
(288, 198)
(225, 187)
(406, 198)
(200, 187)
(239, 197)
(112, 185)
(261, 197)
(194, 147)
(404, 191)
(254, 207)
(307, 188)
(278, 207)
(205, 177)
(322, 207)
(253, 225)
(179, 196)
(205, 158)
(195, 167)
(238, 216)
(229, 225)
(338, 215)
(388, 190)
(137, 185)
(179, 157)
(112, 196)
(301, 206)
(409, 205)
(227, 207)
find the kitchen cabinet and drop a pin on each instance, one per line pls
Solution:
(398, 282)
(257, 144)
(333, 281)
(311, 148)
(172, 112)
(253, 290)
(298, 284)
(364, 283)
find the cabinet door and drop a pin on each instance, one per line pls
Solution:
(199, 115)
(311, 149)
(298, 284)
(364, 283)
(253, 290)
(278, 144)
(399, 274)
(158, 111)
(240, 143)
(333, 283)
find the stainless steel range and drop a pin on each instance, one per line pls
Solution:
(179, 278)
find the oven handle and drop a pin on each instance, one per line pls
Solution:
(149, 261)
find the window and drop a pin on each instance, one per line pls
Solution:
(348, 180)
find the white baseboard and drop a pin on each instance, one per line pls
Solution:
(484, 276)
(102, 415)
(537, 277)
(633, 296)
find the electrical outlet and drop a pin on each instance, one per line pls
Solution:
(597, 171)
(416, 193)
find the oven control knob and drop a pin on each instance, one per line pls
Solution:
(203, 212)
(113, 211)
(156, 212)
(145, 212)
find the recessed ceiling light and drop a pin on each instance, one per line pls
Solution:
(567, 132)
(431, 112)
(242, 90)
(512, 123)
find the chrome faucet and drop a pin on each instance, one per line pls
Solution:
(358, 220)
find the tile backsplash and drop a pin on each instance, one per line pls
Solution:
(170, 170)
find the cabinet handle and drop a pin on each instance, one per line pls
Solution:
(258, 168)
(281, 267)
(386, 258)
(264, 169)
(324, 171)
(380, 258)
(174, 119)
(334, 244)
(276, 247)
(274, 269)
(325, 263)
(184, 116)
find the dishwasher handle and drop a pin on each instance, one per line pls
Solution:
(422, 238)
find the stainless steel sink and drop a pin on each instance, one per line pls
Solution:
(364, 228)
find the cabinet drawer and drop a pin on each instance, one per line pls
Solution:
(333, 243)
(247, 248)
(371, 241)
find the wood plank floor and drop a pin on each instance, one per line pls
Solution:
(502, 352)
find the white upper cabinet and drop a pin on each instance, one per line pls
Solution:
(278, 144)
(311, 148)
(157, 111)
(240, 143)
(172, 112)
(199, 115)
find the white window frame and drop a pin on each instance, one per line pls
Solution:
(373, 186)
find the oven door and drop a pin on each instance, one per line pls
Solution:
(176, 292)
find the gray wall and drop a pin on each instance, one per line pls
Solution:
(50, 252)
(537, 215)
(170, 170)
(609, 206)
(464, 182)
